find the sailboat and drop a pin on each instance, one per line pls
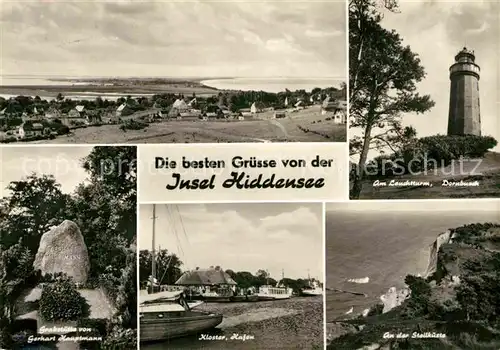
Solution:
(268, 292)
(167, 315)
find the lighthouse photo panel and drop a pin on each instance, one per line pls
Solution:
(231, 276)
(423, 93)
(68, 258)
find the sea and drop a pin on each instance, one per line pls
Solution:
(46, 80)
(274, 85)
(383, 246)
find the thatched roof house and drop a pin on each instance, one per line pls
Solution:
(205, 277)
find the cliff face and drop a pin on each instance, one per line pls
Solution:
(443, 238)
(395, 297)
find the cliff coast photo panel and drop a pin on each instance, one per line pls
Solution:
(423, 99)
(68, 259)
(412, 275)
(231, 276)
(107, 72)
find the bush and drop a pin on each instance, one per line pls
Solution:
(429, 152)
(441, 147)
(61, 301)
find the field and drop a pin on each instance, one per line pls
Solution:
(486, 171)
(307, 125)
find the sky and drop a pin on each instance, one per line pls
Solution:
(437, 30)
(417, 206)
(64, 163)
(233, 38)
(240, 237)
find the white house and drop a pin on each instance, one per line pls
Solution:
(77, 112)
(241, 117)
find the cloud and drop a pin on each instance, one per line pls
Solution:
(244, 237)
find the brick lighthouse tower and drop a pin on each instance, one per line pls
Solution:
(464, 117)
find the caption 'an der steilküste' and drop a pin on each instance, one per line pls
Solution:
(240, 179)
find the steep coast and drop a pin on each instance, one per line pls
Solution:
(452, 306)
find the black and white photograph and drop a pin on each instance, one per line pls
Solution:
(107, 72)
(423, 99)
(68, 257)
(231, 276)
(410, 275)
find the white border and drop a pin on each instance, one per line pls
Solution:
(348, 158)
(137, 248)
(323, 207)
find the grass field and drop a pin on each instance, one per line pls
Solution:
(303, 126)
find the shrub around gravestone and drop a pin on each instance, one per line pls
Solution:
(61, 301)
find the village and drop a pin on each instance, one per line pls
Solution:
(24, 119)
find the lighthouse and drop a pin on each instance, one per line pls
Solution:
(464, 117)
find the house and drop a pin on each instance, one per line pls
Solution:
(241, 117)
(246, 114)
(120, 109)
(180, 105)
(29, 130)
(253, 108)
(340, 116)
(299, 105)
(338, 108)
(93, 117)
(77, 112)
(53, 113)
(207, 280)
(205, 118)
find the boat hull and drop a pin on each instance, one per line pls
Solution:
(216, 299)
(160, 329)
(244, 298)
